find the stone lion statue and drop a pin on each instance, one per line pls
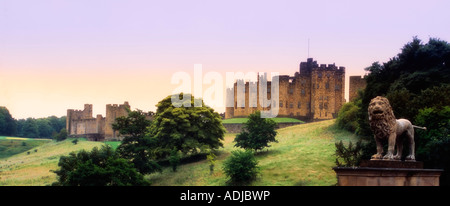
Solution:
(386, 127)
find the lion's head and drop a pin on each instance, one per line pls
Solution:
(381, 117)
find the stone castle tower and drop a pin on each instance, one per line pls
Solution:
(81, 123)
(315, 92)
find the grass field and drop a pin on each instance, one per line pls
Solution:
(304, 155)
(14, 145)
(35, 168)
(276, 119)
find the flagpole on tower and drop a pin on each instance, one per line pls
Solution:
(308, 47)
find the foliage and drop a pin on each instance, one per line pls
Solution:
(187, 129)
(433, 144)
(75, 141)
(62, 135)
(415, 79)
(135, 146)
(174, 159)
(347, 116)
(348, 156)
(7, 123)
(256, 133)
(41, 127)
(211, 157)
(439, 158)
(241, 167)
(100, 167)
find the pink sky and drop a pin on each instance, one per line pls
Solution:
(57, 55)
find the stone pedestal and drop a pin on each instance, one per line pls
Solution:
(387, 173)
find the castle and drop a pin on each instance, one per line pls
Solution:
(316, 92)
(81, 123)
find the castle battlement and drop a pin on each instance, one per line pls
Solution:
(314, 92)
(81, 123)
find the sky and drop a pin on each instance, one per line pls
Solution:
(58, 54)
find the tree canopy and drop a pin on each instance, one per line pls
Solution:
(256, 133)
(186, 129)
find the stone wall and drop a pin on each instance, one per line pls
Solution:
(81, 123)
(237, 127)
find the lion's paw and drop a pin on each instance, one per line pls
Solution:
(410, 157)
(388, 157)
(376, 156)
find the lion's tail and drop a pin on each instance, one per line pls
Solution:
(424, 128)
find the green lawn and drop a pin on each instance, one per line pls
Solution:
(304, 155)
(276, 119)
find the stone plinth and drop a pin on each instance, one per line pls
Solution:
(388, 173)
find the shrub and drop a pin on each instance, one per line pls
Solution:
(348, 156)
(241, 167)
(348, 116)
(100, 167)
(174, 159)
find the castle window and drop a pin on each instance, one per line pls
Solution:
(318, 86)
(291, 105)
(299, 105)
(321, 97)
(291, 90)
(321, 106)
(327, 85)
(303, 92)
(281, 104)
(325, 105)
(337, 87)
(319, 74)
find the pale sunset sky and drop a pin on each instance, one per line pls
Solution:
(58, 54)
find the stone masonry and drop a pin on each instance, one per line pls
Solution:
(81, 123)
(316, 92)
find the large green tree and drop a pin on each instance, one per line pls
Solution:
(186, 129)
(7, 123)
(136, 146)
(256, 133)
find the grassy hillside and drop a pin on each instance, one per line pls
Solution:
(14, 145)
(35, 168)
(304, 155)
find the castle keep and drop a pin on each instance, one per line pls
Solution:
(316, 92)
(81, 123)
